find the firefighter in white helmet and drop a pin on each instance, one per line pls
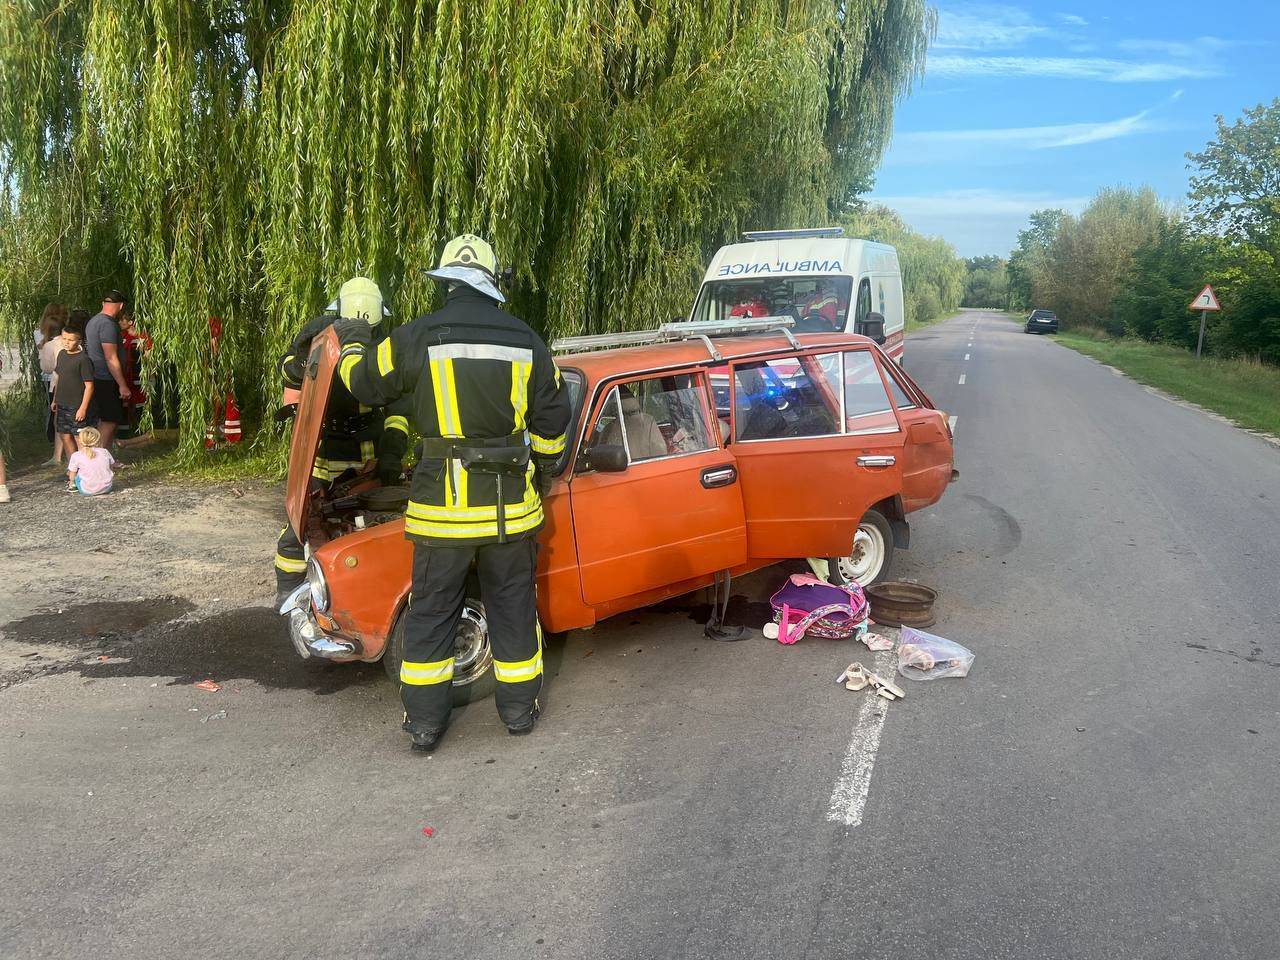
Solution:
(490, 406)
(356, 435)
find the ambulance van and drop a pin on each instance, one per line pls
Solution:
(822, 280)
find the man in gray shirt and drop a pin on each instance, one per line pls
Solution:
(103, 344)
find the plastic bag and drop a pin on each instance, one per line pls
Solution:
(923, 656)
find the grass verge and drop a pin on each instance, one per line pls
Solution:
(1241, 390)
(911, 325)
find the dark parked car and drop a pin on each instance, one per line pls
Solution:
(1042, 321)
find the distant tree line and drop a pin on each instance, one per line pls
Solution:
(1130, 263)
(933, 276)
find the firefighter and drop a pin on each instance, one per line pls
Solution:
(355, 434)
(821, 311)
(492, 410)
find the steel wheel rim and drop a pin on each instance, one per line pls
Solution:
(472, 656)
(867, 557)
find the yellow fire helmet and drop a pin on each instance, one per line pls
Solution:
(360, 299)
(468, 250)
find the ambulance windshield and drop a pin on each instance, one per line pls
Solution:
(816, 304)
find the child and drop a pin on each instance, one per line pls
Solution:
(73, 389)
(89, 469)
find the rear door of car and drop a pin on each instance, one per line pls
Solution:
(817, 443)
(675, 513)
(307, 425)
(928, 452)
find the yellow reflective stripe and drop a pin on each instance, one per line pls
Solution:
(519, 671)
(464, 530)
(385, 363)
(367, 450)
(557, 373)
(451, 398)
(446, 398)
(290, 565)
(520, 393)
(545, 447)
(425, 674)
(349, 360)
(396, 423)
(434, 511)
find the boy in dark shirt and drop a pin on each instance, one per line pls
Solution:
(73, 388)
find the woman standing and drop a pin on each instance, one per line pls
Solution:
(48, 342)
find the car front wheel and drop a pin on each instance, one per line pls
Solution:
(472, 658)
(871, 556)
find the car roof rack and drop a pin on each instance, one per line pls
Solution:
(677, 330)
(793, 234)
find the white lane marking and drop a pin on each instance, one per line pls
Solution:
(966, 356)
(853, 785)
(962, 379)
(951, 421)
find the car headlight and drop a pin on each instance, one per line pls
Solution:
(319, 587)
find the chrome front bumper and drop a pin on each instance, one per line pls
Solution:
(307, 637)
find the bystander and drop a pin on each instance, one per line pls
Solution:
(103, 344)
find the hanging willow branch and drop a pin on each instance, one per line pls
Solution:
(241, 158)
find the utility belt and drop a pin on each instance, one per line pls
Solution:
(360, 426)
(497, 457)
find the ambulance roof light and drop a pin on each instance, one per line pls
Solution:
(797, 234)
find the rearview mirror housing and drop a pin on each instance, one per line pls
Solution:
(872, 325)
(605, 458)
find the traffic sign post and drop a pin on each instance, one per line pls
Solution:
(1206, 302)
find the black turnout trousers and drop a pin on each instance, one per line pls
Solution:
(506, 572)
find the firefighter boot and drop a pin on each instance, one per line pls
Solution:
(422, 737)
(526, 728)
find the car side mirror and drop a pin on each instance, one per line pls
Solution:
(872, 325)
(604, 457)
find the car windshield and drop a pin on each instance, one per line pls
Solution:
(816, 304)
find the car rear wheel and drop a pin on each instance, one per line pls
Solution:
(472, 658)
(871, 556)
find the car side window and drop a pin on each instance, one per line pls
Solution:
(866, 403)
(787, 397)
(901, 398)
(659, 417)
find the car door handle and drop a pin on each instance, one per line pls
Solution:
(877, 461)
(719, 476)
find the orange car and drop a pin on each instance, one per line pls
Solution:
(688, 458)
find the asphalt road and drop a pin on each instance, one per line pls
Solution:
(1102, 785)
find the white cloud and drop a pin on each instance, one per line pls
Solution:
(1066, 68)
(1178, 49)
(978, 221)
(985, 27)
(1073, 20)
(1031, 138)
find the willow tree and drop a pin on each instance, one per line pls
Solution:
(245, 156)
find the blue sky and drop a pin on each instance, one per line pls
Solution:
(1039, 104)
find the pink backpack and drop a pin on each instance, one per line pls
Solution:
(806, 604)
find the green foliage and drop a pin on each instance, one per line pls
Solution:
(933, 276)
(1236, 192)
(1167, 272)
(1029, 261)
(987, 282)
(241, 159)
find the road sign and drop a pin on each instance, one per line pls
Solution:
(1206, 299)
(1206, 302)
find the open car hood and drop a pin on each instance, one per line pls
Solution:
(317, 381)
